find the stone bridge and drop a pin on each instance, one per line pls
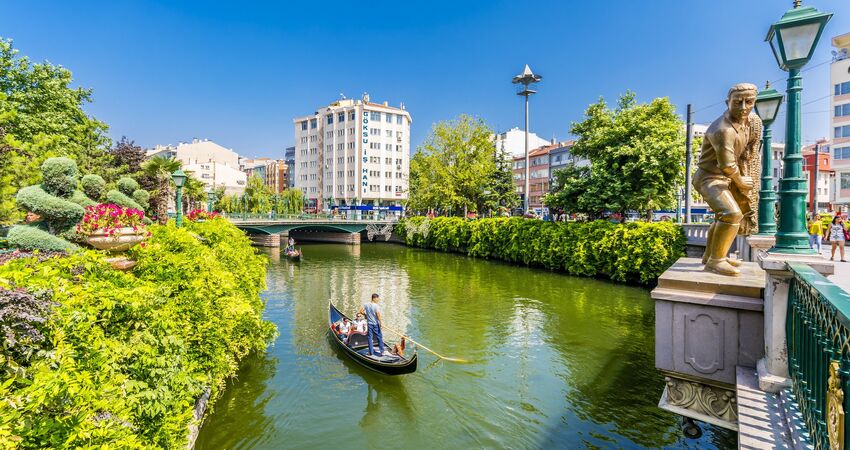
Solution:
(268, 232)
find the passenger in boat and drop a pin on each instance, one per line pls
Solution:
(343, 328)
(372, 311)
(291, 247)
(359, 324)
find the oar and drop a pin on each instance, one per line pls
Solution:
(426, 348)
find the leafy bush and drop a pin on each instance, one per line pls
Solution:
(118, 198)
(127, 185)
(633, 252)
(22, 318)
(80, 198)
(28, 237)
(60, 213)
(59, 176)
(133, 351)
(142, 197)
(93, 186)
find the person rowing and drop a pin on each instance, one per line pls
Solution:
(372, 311)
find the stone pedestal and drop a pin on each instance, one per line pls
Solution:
(773, 369)
(705, 325)
(759, 245)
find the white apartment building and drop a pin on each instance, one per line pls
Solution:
(207, 161)
(353, 152)
(513, 142)
(840, 121)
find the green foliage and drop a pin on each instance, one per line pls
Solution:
(42, 115)
(59, 213)
(159, 169)
(80, 198)
(127, 185)
(118, 198)
(632, 252)
(26, 237)
(142, 197)
(131, 352)
(60, 176)
(458, 169)
(93, 186)
(636, 153)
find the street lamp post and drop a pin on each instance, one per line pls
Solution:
(211, 198)
(767, 106)
(528, 81)
(793, 40)
(179, 179)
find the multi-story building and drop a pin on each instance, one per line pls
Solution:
(512, 142)
(353, 154)
(289, 157)
(538, 176)
(840, 121)
(273, 172)
(560, 156)
(822, 190)
(207, 161)
(778, 152)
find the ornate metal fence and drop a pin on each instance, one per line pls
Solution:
(818, 331)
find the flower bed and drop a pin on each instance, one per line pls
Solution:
(200, 214)
(124, 356)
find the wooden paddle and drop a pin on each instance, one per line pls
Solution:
(459, 360)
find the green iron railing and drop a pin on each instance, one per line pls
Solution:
(818, 333)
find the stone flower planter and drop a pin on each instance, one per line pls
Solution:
(122, 240)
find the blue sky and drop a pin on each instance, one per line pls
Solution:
(238, 73)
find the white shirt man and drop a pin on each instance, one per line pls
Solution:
(360, 324)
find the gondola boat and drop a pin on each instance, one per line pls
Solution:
(294, 255)
(358, 349)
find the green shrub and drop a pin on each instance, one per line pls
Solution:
(93, 186)
(60, 213)
(142, 197)
(28, 237)
(127, 185)
(118, 198)
(59, 176)
(80, 198)
(131, 352)
(633, 252)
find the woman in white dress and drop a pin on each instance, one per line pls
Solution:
(836, 237)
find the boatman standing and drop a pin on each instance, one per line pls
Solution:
(372, 311)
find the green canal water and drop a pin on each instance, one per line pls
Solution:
(557, 361)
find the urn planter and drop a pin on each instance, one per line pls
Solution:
(123, 239)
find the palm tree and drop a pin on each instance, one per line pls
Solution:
(194, 192)
(160, 168)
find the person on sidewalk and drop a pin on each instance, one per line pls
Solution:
(815, 233)
(837, 236)
(372, 311)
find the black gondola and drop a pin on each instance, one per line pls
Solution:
(294, 255)
(359, 350)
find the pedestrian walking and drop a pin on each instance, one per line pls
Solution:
(815, 233)
(837, 236)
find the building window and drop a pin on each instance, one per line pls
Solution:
(375, 145)
(398, 119)
(398, 161)
(304, 125)
(330, 119)
(351, 145)
(340, 146)
(388, 174)
(841, 153)
(389, 133)
(388, 160)
(398, 188)
(388, 188)
(842, 110)
(398, 148)
(329, 134)
(375, 131)
(351, 173)
(376, 116)
(398, 134)
(341, 117)
(340, 132)
(389, 118)
(205, 175)
(329, 147)
(842, 132)
(388, 147)
(313, 123)
(351, 131)
(843, 88)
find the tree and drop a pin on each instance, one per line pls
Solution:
(127, 158)
(194, 192)
(636, 152)
(259, 195)
(42, 116)
(160, 168)
(458, 169)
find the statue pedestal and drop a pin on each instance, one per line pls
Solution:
(773, 369)
(759, 245)
(705, 326)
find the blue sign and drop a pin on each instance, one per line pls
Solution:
(368, 208)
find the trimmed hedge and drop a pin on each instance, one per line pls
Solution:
(93, 186)
(59, 176)
(635, 252)
(127, 185)
(142, 197)
(61, 213)
(26, 237)
(119, 198)
(126, 355)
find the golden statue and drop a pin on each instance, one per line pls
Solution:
(728, 165)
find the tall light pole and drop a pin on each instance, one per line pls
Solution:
(793, 40)
(767, 106)
(527, 82)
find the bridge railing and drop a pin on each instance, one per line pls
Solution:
(818, 333)
(303, 216)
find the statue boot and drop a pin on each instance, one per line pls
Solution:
(718, 246)
(708, 239)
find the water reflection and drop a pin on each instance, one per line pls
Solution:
(557, 362)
